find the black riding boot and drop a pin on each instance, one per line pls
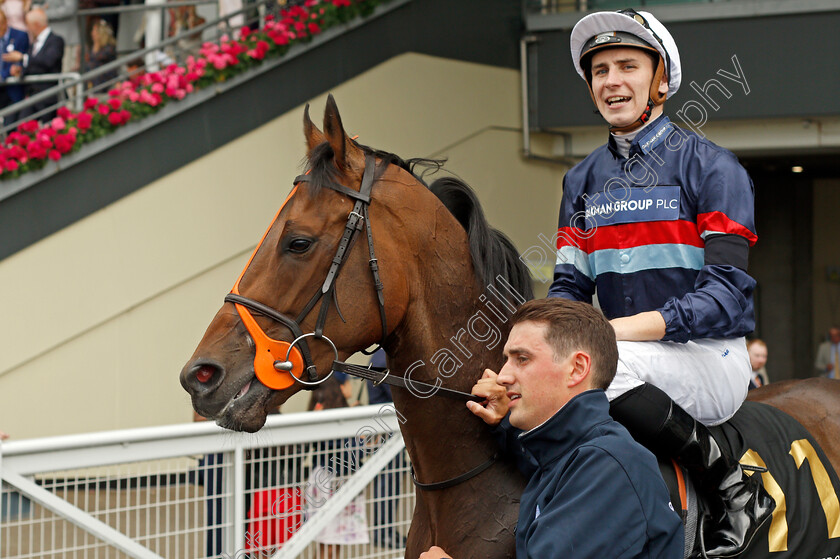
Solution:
(739, 504)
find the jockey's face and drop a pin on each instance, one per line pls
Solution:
(537, 384)
(621, 79)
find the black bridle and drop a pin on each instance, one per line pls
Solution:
(356, 220)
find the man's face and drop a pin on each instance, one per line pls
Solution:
(758, 356)
(621, 79)
(834, 335)
(536, 384)
(34, 27)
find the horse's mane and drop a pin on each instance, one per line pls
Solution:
(492, 252)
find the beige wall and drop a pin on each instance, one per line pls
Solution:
(100, 317)
(826, 293)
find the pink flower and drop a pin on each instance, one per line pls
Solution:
(125, 115)
(115, 103)
(313, 28)
(54, 155)
(114, 119)
(64, 142)
(256, 54)
(114, 93)
(157, 88)
(85, 120)
(244, 32)
(12, 165)
(133, 96)
(91, 102)
(64, 112)
(103, 109)
(281, 39)
(29, 126)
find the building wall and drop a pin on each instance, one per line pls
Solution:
(826, 293)
(100, 317)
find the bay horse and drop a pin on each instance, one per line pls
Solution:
(435, 287)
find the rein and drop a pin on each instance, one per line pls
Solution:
(379, 375)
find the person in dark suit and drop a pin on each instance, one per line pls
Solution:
(10, 39)
(44, 57)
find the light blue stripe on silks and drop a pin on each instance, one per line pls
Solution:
(577, 258)
(648, 257)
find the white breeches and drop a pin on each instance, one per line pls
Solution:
(708, 378)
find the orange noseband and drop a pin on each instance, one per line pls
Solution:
(268, 350)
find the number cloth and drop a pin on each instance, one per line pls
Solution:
(806, 522)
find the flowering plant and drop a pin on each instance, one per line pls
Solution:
(33, 144)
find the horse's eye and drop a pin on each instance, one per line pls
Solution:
(299, 246)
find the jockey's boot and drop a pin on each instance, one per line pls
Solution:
(738, 502)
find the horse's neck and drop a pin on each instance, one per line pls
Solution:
(450, 341)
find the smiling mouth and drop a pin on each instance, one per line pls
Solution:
(614, 100)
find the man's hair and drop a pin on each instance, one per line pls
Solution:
(575, 326)
(755, 341)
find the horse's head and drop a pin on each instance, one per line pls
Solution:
(309, 294)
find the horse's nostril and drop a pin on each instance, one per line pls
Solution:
(204, 373)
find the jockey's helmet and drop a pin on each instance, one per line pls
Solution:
(627, 28)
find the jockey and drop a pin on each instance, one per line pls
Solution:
(659, 222)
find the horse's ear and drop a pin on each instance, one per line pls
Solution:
(314, 137)
(344, 149)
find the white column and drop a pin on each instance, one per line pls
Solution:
(154, 30)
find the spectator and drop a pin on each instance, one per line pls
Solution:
(757, 350)
(12, 39)
(44, 57)
(14, 11)
(104, 50)
(181, 19)
(3, 436)
(828, 354)
(64, 22)
(335, 458)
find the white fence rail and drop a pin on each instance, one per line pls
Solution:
(315, 485)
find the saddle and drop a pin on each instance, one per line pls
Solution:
(798, 476)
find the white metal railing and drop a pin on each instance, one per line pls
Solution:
(197, 491)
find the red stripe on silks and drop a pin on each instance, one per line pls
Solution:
(571, 236)
(719, 222)
(630, 235)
